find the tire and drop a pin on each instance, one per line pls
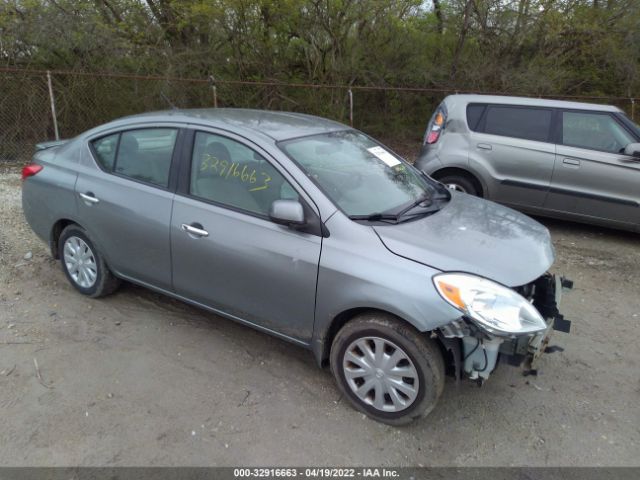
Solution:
(460, 183)
(423, 364)
(91, 277)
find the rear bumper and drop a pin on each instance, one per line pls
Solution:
(428, 161)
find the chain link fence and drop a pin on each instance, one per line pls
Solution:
(29, 98)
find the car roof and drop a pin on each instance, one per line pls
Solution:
(274, 124)
(534, 102)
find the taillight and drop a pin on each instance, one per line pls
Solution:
(433, 136)
(435, 126)
(30, 170)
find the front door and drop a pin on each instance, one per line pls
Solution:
(227, 254)
(591, 176)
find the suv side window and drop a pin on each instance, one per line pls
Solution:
(474, 114)
(229, 173)
(519, 122)
(595, 131)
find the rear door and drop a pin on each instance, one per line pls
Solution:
(227, 253)
(512, 146)
(125, 204)
(592, 177)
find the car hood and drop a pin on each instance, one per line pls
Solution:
(476, 236)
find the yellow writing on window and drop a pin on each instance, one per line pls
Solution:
(232, 170)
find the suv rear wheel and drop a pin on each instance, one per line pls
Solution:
(387, 369)
(460, 183)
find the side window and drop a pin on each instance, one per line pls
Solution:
(105, 150)
(474, 113)
(145, 154)
(229, 173)
(518, 122)
(595, 131)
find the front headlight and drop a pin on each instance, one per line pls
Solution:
(495, 308)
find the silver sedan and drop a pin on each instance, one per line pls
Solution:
(306, 229)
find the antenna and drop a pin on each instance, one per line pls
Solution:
(166, 99)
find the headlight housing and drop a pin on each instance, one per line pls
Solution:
(497, 309)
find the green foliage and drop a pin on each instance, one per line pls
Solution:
(536, 47)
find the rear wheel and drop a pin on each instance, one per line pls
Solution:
(387, 369)
(460, 183)
(83, 265)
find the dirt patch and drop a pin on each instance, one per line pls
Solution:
(140, 379)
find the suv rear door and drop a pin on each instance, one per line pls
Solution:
(592, 177)
(512, 145)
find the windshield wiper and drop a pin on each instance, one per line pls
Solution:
(397, 217)
(375, 217)
(421, 199)
(389, 218)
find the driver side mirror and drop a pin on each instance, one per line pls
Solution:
(633, 150)
(287, 212)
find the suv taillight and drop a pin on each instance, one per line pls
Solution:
(30, 170)
(436, 125)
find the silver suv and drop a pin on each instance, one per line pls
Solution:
(567, 160)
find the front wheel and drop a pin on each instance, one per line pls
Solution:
(387, 369)
(83, 265)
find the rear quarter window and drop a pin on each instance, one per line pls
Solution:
(105, 150)
(518, 122)
(474, 114)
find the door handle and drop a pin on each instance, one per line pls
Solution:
(89, 197)
(571, 162)
(484, 146)
(196, 230)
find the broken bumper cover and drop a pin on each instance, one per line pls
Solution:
(546, 296)
(476, 351)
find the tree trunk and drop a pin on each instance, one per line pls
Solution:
(461, 39)
(437, 9)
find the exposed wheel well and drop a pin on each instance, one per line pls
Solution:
(459, 171)
(57, 229)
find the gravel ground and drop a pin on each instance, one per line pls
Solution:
(140, 379)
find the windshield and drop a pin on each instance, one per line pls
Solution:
(633, 125)
(359, 175)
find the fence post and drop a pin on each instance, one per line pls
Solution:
(214, 89)
(350, 107)
(53, 106)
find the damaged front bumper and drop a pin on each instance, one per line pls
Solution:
(476, 352)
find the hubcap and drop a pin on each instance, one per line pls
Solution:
(80, 262)
(381, 374)
(456, 187)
